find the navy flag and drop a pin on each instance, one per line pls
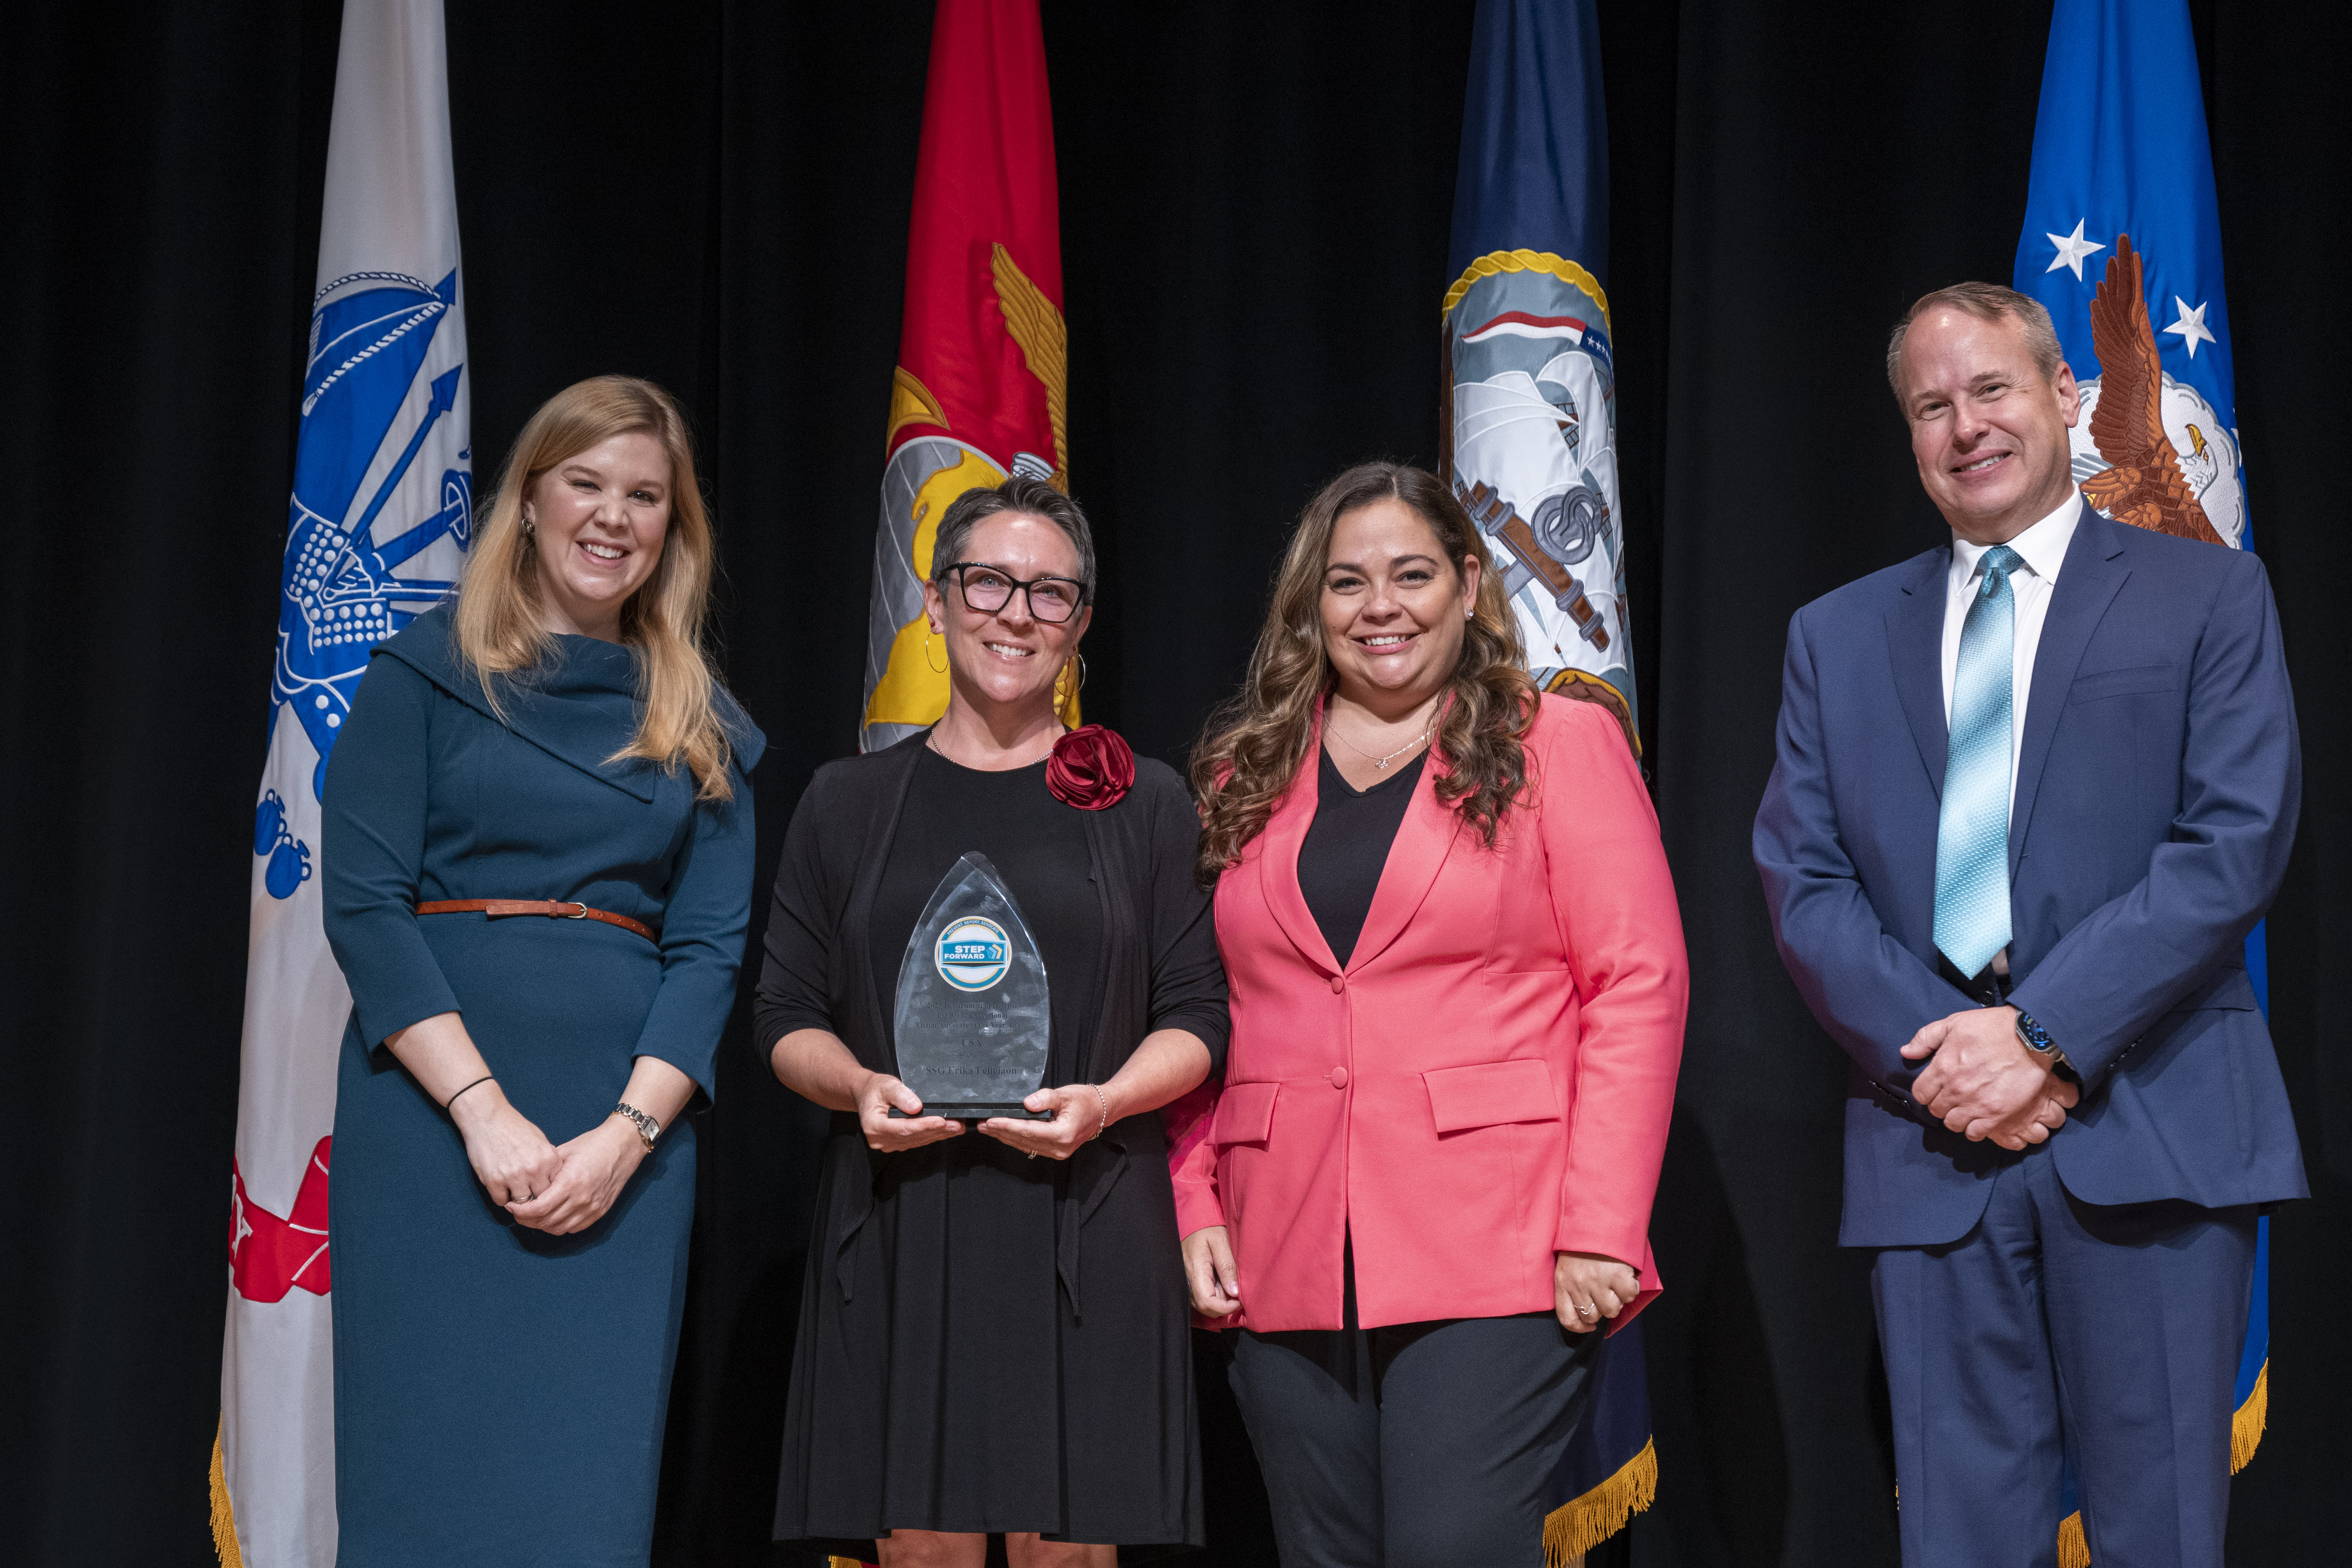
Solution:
(1528, 441)
(2122, 242)
(1528, 427)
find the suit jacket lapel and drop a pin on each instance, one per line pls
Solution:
(1277, 870)
(2095, 566)
(1422, 842)
(1915, 650)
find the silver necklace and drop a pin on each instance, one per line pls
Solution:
(1382, 763)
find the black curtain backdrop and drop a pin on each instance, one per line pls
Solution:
(1255, 206)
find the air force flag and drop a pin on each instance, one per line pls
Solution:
(381, 514)
(2122, 242)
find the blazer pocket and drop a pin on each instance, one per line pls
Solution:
(2123, 682)
(1245, 1113)
(1489, 1094)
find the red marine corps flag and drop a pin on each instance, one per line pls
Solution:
(980, 388)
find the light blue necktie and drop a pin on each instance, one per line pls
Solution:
(1972, 833)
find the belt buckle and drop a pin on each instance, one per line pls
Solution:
(580, 916)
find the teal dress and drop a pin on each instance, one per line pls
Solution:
(499, 1393)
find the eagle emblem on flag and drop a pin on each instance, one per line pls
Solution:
(2149, 449)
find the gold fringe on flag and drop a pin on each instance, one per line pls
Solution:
(224, 1512)
(2246, 1426)
(2245, 1436)
(2073, 1547)
(1576, 1527)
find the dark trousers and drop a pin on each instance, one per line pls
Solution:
(1415, 1445)
(2109, 1335)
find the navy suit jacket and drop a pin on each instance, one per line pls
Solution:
(2159, 782)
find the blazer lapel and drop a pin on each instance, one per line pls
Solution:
(1423, 840)
(2094, 570)
(1277, 870)
(1915, 651)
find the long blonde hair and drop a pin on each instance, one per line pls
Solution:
(1257, 744)
(499, 626)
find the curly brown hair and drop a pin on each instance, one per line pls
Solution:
(1254, 746)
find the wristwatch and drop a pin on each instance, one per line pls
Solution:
(648, 1128)
(2037, 1039)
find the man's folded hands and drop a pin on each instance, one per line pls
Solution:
(1984, 1083)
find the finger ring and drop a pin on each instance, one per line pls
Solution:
(1586, 1309)
(1031, 1152)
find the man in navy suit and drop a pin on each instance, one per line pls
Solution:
(2033, 789)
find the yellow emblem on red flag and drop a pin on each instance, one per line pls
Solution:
(981, 383)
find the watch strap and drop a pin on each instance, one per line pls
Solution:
(647, 1127)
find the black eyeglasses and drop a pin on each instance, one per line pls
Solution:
(989, 589)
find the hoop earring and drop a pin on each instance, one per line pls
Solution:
(934, 669)
(1082, 674)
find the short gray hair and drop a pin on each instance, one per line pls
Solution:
(1985, 302)
(1029, 497)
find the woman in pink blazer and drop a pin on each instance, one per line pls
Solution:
(1458, 989)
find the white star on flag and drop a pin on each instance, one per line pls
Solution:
(2072, 249)
(2191, 325)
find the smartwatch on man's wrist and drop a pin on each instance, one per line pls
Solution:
(2037, 1039)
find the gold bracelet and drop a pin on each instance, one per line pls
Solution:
(1105, 1109)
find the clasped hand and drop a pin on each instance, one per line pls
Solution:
(1588, 1289)
(1078, 1119)
(558, 1190)
(1984, 1083)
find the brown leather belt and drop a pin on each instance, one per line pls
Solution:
(500, 908)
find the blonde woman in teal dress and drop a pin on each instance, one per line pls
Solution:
(513, 1175)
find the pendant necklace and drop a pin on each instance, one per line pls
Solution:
(1382, 763)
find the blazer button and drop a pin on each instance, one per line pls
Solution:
(1337, 986)
(1339, 1078)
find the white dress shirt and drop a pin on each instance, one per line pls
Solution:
(2043, 548)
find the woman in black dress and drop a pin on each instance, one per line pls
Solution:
(991, 1342)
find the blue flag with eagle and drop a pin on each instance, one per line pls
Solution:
(2122, 242)
(1528, 435)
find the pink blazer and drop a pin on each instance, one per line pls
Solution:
(1487, 1083)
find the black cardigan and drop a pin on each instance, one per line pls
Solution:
(1159, 971)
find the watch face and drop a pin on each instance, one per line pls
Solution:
(2036, 1037)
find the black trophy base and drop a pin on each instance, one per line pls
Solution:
(1011, 1110)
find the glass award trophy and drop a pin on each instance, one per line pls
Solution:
(974, 1020)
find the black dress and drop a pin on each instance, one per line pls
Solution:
(990, 1342)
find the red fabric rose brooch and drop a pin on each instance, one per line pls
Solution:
(1091, 768)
